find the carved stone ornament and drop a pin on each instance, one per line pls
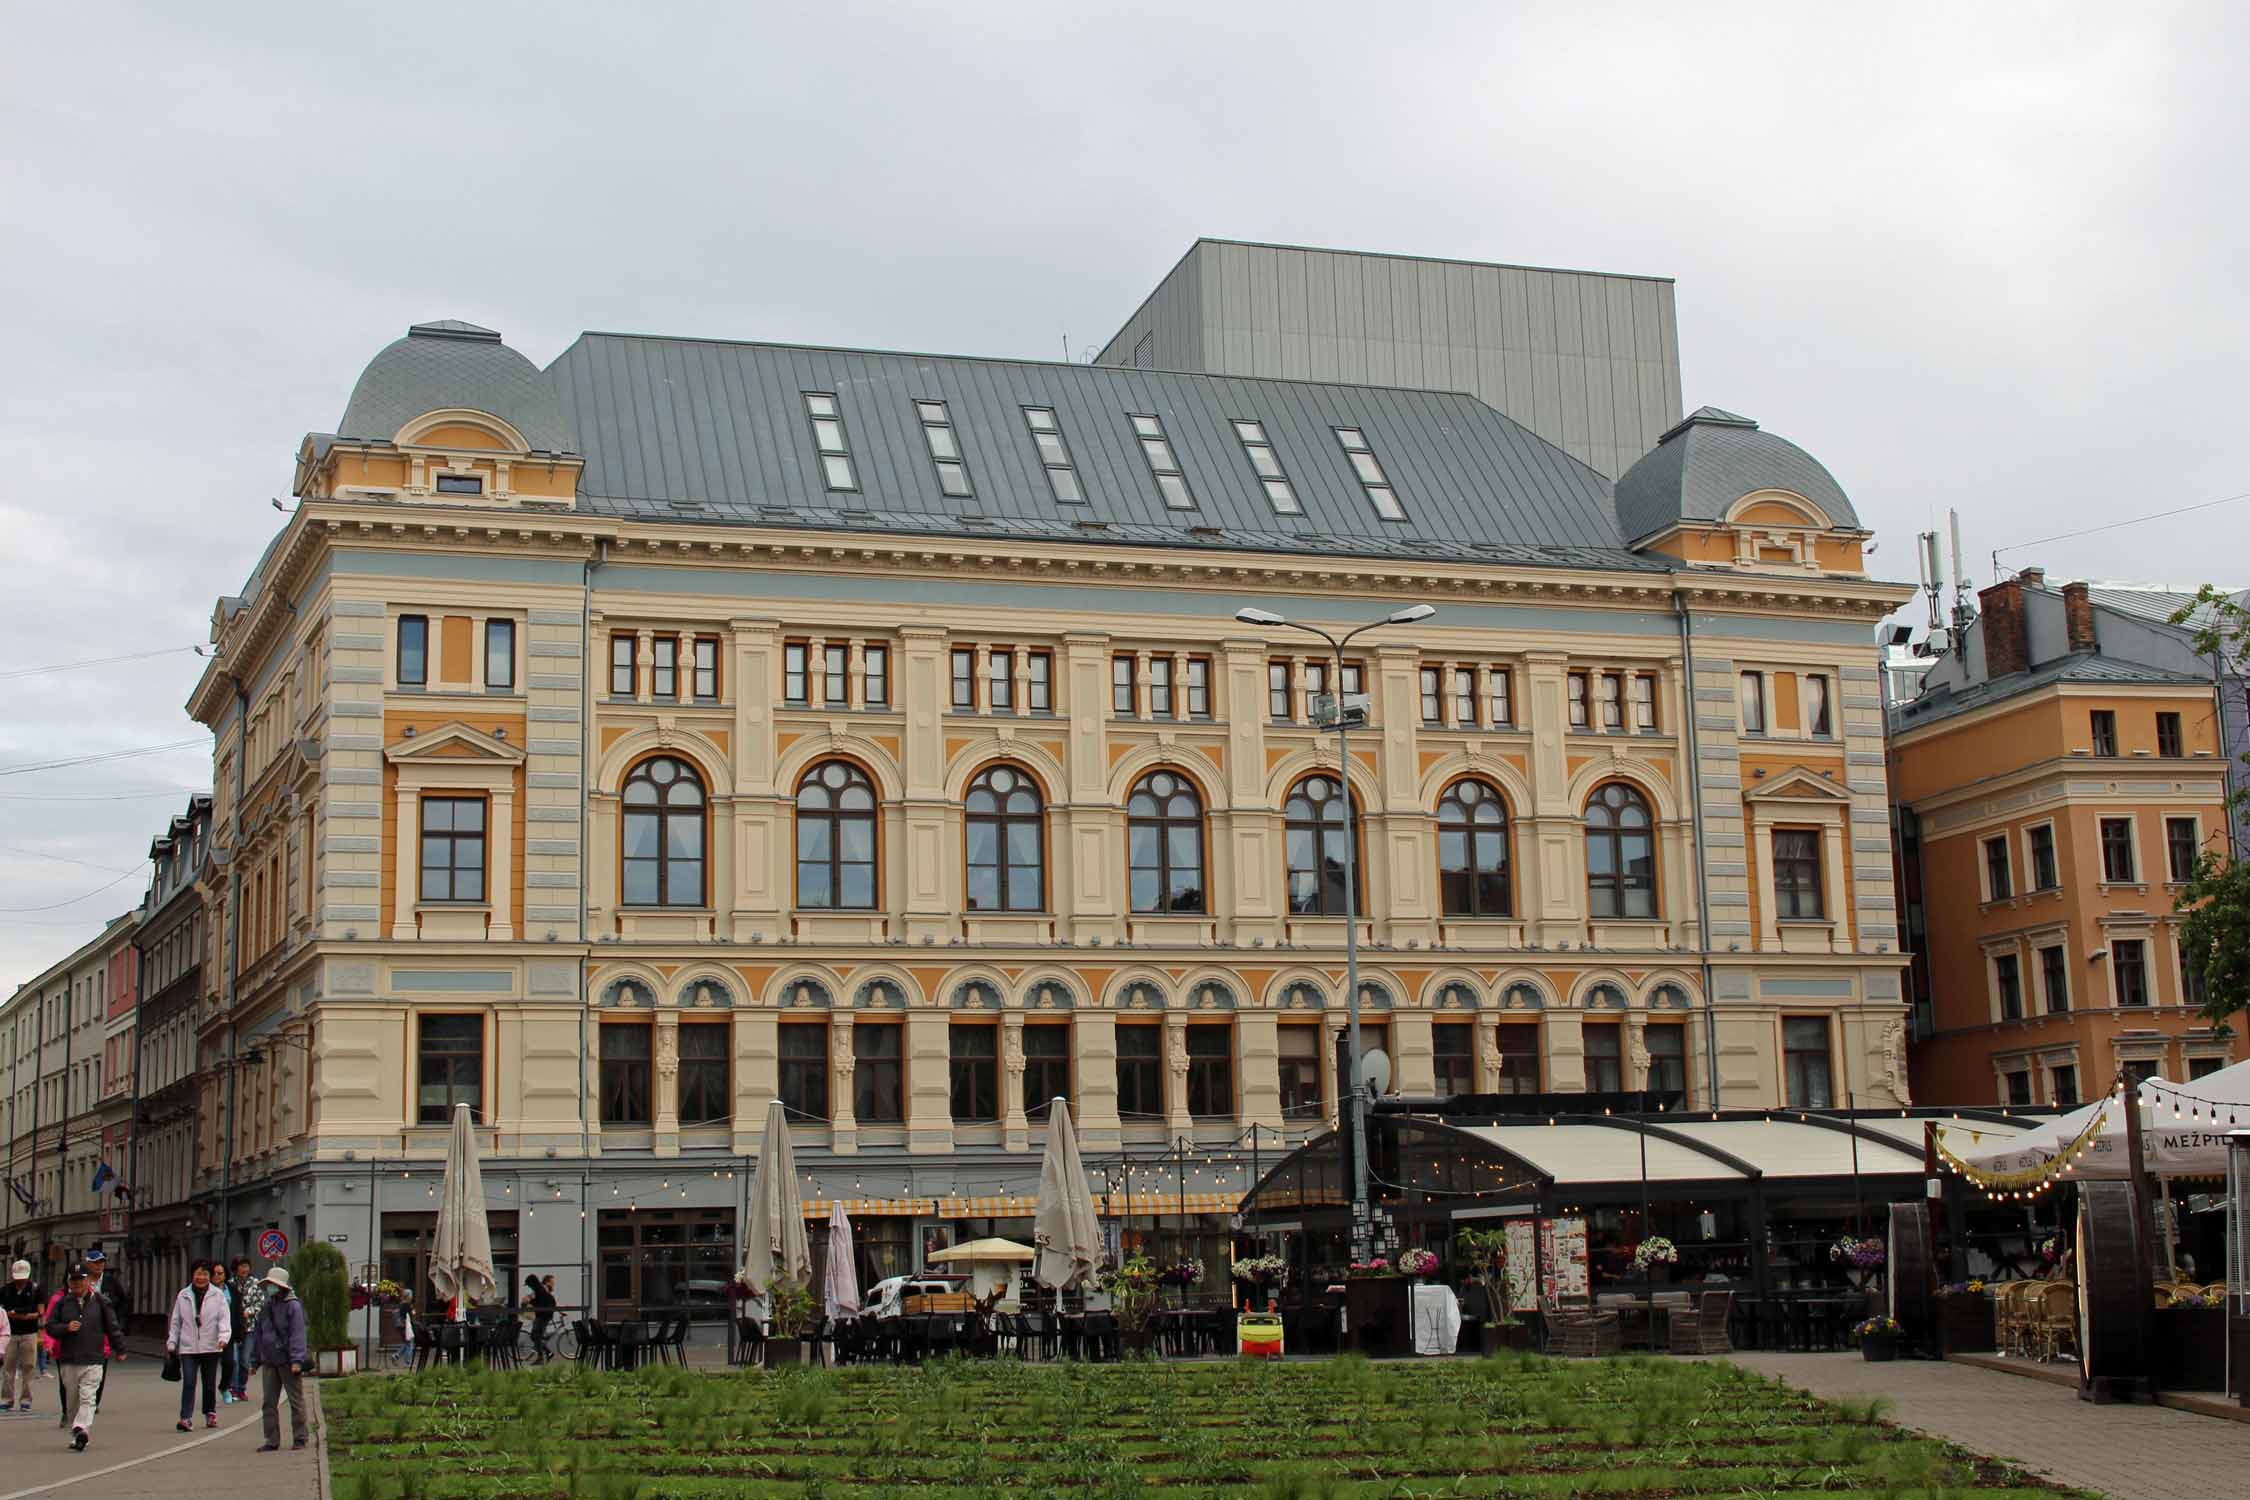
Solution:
(667, 1052)
(1893, 1056)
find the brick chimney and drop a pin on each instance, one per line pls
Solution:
(2078, 618)
(2006, 649)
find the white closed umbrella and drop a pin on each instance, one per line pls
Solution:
(461, 1260)
(1066, 1233)
(776, 1247)
(842, 1297)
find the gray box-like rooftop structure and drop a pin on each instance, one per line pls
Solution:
(1588, 360)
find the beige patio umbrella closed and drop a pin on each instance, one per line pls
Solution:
(776, 1246)
(461, 1260)
(1068, 1236)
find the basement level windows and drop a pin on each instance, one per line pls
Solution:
(1371, 476)
(1266, 464)
(945, 448)
(1054, 454)
(1163, 463)
(830, 442)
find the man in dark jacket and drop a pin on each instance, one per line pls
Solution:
(86, 1329)
(277, 1347)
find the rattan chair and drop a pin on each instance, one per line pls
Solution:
(1703, 1329)
(1590, 1336)
(2056, 1322)
(2011, 1316)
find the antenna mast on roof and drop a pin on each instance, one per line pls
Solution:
(1962, 612)
(1926, 554)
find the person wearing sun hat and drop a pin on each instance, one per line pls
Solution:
(277, 1348)
(24, 1303)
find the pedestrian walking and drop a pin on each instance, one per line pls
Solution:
(23, 1301)
(249, 1299)
(87, 1334)
(198, 1333)
(406, 1336)
(541, 1302)
(277, 1346)
(233, 1351)
(109, 1288)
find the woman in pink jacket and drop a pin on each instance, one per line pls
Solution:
(199, 1330)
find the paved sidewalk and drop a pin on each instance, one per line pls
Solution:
(136, 1454)
(2124, 1452)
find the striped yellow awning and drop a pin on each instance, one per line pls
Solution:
(1007, 1206)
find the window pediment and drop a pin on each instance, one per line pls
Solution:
(1798, 785)
(453, 742)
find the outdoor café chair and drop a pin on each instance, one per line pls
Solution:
(1591, 1336)
(2057, 1323)
(1703, 1329)
(749, 1341)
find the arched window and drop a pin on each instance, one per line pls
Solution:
(1620, 854)
(1006, 842)
(1164, 844)
(1314, 827)
(664, 834)
(1472, 845)
(836, 837)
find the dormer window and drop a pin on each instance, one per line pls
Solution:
(460, 484)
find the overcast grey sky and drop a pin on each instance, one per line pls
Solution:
(1981, 256)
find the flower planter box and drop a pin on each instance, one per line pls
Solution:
(1964, 1325)
(1378, 1315)
(334, 1363)
(1494, 1337)
(2189, 1345)
(780, 1352)
(1878, 1348)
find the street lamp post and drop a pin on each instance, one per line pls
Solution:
(1362, 1224)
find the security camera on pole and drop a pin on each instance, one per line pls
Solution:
(1338, 711)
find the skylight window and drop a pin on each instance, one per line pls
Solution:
(1267, 465)
(1170, 482)
(1371, 476)
(828, 439)
(945, 449)
(1062, 475)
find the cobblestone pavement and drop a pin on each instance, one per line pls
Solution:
(2124, 1452)
(136, 1453)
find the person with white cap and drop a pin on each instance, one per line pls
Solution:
(25, 1304)
(277, 1348)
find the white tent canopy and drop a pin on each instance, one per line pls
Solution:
(2183, 1131)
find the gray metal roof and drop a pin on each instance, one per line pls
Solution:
(1700, 468)
(447, 364)
(715, 430)
(1946, 701)
(2152, 602)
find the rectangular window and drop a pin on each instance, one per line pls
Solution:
(829, 441)
(2054, 978)
(2066, 1085)
(1124, 697)
(964, 681)
(2117, 849)
(1819, 716)
(1316, 682)
(707, 667)
(1804, 1052)
(625, 1073)
(2203, 1067)
(1278, 696)
(2044, 874)
(1297, 1062)
(1433, 696)
(1667, 1060)
(499, 653)
(1605, 1062)
(945, 448)
(796, 686)
(975, 1064)
(2180, 848)
(1370, 472)
(878, 1073)
(1054, 454)
(875, 676)
(452, 848)
(1160, 688)
(1753, 703)
(2138, 1071)
(804, 1070)
(2191, 982)
(1266, 464)
(1163, 463)
(1210, 1080)
(2168, 742)
(1355, 678)
(1465, 697)
(1796, 875)
(835, 675)
(1453, 1058)
(1644, 702)
(1613, 702)
(1046, 1069)
(2129, 957)
(706, 1072)
(1140, 1071)
(1198, 687)
(664, 672)
(413, 650)
(1998, 883)
(1503, 707)
(1581, 708)
(2019, 1087)
(2008, 980)
(460, 484)
(1000, 674)
(2104, 725)
(1039, 682)
(449, 1065)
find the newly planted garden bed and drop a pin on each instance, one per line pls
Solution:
(1509, 1426)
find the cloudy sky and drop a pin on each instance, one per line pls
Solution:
(1984, 257)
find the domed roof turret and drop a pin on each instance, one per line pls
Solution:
(1702, 467)
(450, 364)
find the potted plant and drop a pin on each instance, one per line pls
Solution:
(1262, 1274)
(1964, 1318)
(1878, 1338)
(1484, 1254)
(322, 1280)
(1655, 1256)
(1417, 1263)
(1378, 1308)
(1182, 1273)
(1132, 1299)
(790, 1310)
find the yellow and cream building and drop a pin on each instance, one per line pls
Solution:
(619, 746)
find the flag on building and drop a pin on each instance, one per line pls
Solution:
(23, 1194)
(102, 1176)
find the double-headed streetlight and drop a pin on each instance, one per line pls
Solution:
(1342, 712)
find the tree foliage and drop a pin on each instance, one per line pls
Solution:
(318, 1274)
(2214, 906)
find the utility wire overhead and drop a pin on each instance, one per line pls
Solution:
(2115, 525)
(73, 901)
(98, 757)
(66, 859)
(97, 661)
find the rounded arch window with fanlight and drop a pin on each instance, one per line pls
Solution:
(1006, 842)
(1473, 851)
(1164, 844)
(1620, 853)
(665, 825)
(836, 837)
(1315, 827)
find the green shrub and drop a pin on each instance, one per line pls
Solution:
(319, 1275)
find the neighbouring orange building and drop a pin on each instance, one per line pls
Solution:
(2054, 785)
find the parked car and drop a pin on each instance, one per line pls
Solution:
(887, 1297)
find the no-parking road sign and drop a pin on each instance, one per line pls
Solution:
(273, 1244)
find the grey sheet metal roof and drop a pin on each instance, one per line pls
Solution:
(1710, 460)
(2151, 602)
(1944, 702)
(715, 430)
(446, 364)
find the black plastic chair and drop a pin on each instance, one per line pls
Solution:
(630, 1350)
